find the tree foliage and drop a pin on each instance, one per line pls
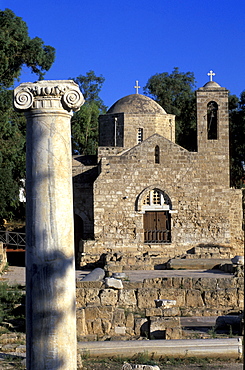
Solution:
(16, 50)
(175, 93)
(237, 139)
(84, 123)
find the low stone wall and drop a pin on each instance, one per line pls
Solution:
(3, 257)
(104, 313)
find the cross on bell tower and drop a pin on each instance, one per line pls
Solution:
(137, 87)
(211, 74)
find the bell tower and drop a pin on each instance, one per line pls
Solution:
(213, 128)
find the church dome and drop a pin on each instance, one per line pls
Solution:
(136, 104)
(212, 84)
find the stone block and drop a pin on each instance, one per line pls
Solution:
(92, 312)
(119, 318)
(132, 285)
(176, 282)
(173, 333)
(173, 294)
(130, 320)
(146, 297)
(186, 283)
(108, 297)
(159, 325)
(141, 326)
(194, 298)
(127, 298)
(89, 284)
(221, 298)
(204, 283)
(113, 283)
(106, 326)
(87, 297)
(241, 298)
(81, 322)
(97, 326)
(120, 330)
(226, 283)
(154, 311)
(171, 312)
(165, 303)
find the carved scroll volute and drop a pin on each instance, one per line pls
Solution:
(63, 94)
(23, 99)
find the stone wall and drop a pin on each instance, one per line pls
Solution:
(104, 313)
(203, 210)
(202, 206)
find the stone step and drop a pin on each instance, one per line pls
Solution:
(196, 264)
(222, 348)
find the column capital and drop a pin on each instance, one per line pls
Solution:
(48, 94)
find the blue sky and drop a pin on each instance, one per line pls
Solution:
(132, 40)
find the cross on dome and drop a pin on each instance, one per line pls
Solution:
(137, 87)
(211, 74)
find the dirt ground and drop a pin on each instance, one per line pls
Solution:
(165, 366)
(91, 364)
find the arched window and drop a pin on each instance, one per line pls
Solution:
(212, 120)
(157, 154)
(156, 199)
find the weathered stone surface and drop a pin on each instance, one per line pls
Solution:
(127, 298)
(81, 322)
(174, 294)
(50, 268)
(165, 303)
(155, 311)
(106, 326)
(171, 312)
(173, 333)
(119, 317)
(108, 297)
(160, 326)
(141, 326)
(99, 311)
(97, 274)
(121, 330)
(130, 320)
(87, 297)
(113, 283)
(146, 297)
(194, 298)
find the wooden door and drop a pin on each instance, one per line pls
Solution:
(157, 227)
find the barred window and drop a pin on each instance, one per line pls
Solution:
(140, 135)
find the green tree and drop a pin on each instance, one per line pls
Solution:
(175, 93)
(237, 138)
(16, 50)
(84, 123)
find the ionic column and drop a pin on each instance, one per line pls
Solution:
(50, 267)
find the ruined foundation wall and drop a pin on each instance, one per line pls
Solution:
(109, 312)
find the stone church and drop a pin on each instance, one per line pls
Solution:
(145, 196)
